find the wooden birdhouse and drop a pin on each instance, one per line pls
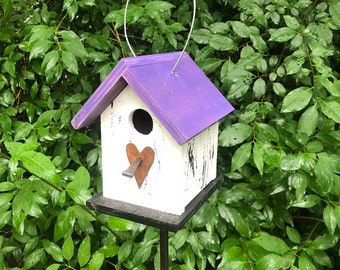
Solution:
(159, 131)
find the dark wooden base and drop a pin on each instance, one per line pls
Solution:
(148, 216)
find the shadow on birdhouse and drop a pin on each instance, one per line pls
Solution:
(159, 132)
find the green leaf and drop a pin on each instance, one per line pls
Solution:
(271, 243)
(232, 216)
(266, 132)
(227, 264)
(119, 224)
(156, 6)
(324, 172)
(332, 87)
(33, 258)
(259, 88)
(258, 154)
(293, 66)
(308, 121)
(241, 156)
(7, 7)
(74, 47)
(53, 249)
(296, 41)
(296, 99)
(181, 237)
(39, 33)
(96, 261)
(84, 251)
(142, 254)
(331, 109)
(299, 182)
(64, 224)
(209, 241)
(293, 235)
(281, 34)
(5, 122)
(307, 201)
(219, 28)
(54, 266)
(291, 22)
(39, 165)
(195, 244)
(329, 217)
(109, 250)
(237, 90)
(188, 257)
(209, 65)
(71, 8)
(68, 248)
(50, 60)
(40, 48)
(235, 134)
(7, 186)
(324, 242)
(262, 65)
(23, 129)
(201, 36)
(258, 42)
(270, 261)
(334, 11)
(45, 118)
(221, 42)
(320, 257)
(291, 162)
(5, 199)
(306, 264)
(69, 61)
(124, 251)
(279, 89)
(240, 29)
(117, 16)
(9, 67)
(78, 188)
(337, 214)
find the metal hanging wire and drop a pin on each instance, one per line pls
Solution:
(125, 31)
(173, 70)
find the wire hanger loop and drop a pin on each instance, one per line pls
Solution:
(173, 70)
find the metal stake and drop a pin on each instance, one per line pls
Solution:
(164, 249)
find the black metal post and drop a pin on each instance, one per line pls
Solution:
(164, 249)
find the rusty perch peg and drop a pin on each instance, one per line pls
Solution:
(130, 172)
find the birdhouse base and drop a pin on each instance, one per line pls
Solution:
(148, 216)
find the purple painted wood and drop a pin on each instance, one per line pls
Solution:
(186, 102)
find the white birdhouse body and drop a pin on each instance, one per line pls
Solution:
(159, 131)
(178, 172)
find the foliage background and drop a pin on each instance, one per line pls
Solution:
(277, 61)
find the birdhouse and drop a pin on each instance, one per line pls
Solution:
(159, 131)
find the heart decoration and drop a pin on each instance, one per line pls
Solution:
(147, 156)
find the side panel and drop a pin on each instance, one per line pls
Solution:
(200, 155)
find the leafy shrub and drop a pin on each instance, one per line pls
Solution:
(276, 61)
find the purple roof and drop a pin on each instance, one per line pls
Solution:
(186, 102)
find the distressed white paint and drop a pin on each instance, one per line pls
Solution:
(179, 172)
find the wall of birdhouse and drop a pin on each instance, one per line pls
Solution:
(178, 172)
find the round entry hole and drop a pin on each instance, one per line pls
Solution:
(142, 121)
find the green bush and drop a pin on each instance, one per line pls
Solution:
(276, 61)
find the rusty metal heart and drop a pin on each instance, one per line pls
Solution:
(147, 156)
